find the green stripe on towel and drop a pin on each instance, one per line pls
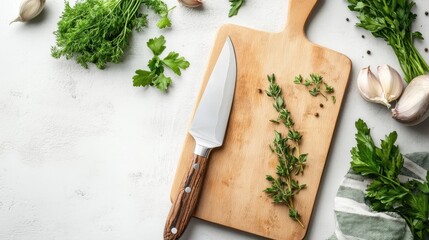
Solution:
(371, 228)
(355, 221)
(408, 173)
(421, 158)
(351, 193)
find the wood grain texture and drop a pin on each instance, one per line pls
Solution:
(233, 190)
(185, 202)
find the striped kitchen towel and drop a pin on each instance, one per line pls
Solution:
(357, 221)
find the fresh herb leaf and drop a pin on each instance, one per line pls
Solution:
(386, 193)
(290, 161)
(162, 82)
(157, 45)
(316, 83)
(155, 77)
(392, 21)
(143, 78)
(98, 31)
(298, 79)
(160, 8)
(315, 91)
(175, 62)
(235, 7)
(156, 65)
(328, 89)
(164, 23)
(316, 79)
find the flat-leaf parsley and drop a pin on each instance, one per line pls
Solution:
(155, 76)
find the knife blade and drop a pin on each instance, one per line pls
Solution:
(208, 129)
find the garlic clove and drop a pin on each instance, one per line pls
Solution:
(29, 9)
(370, 88)
(391, 82)
(413, 107)
(191, 3)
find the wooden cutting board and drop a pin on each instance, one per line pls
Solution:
(232, 194)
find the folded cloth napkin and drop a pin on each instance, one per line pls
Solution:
(357, 221)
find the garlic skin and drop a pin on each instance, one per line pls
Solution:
(29, 9)
(370, 88)
(391, 82)
(413, 107)
(191, 3)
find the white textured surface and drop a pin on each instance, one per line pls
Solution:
(84, 155)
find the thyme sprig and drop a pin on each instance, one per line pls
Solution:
(291, 162)
(316, 85)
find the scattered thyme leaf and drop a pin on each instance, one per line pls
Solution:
(298, 79)
(315, 83)
(328, 89)
(315, 91)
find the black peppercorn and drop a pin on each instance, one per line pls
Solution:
(347, 19)
(368, 52)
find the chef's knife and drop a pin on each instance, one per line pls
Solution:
(208, 129)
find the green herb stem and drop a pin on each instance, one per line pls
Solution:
(411, 62)
(290, 161)
(392, 21)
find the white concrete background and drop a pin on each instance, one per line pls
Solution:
(85, 155)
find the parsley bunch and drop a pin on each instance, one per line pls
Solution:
(155, 77)
(98, 31)
(392, 20)
(291, 162)
(386, 193)
(235, 7)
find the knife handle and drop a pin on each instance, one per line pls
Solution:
(184, 205)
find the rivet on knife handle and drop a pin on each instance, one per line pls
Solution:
(187, 198)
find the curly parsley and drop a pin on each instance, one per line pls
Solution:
(98, 31)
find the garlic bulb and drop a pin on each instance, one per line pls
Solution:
(29, 9)
(191, 3)
(384, 89)
(413, 107)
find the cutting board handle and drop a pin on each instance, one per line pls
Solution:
(298, 13)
